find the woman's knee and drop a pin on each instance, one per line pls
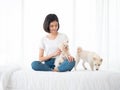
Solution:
(35, 65)
(66, 66)
(72, 64)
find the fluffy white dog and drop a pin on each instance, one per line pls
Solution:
(92, 58)
(64, 47)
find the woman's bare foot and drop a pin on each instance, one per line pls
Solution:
(55, 70)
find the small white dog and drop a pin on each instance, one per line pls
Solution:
(64, 47)
(92, 58)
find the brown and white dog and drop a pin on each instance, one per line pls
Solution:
(92, 58)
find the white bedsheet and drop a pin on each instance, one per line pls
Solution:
(79, 80)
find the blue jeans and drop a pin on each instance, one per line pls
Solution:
(49, 65)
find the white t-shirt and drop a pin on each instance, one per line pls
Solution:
(51, 46)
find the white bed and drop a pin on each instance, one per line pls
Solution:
(19, 79)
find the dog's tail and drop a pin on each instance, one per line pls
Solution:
(79, 49)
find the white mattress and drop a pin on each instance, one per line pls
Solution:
(76, 80)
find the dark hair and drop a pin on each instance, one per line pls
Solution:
(48, 19)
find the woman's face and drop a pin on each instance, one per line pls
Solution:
(53, 27)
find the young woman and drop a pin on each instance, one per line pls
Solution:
(49, 48)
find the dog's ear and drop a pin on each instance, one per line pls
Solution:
(67, 41)
(79, 49)
(101, 60)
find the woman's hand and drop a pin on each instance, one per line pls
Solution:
(70, 58)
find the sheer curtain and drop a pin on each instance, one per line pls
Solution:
(85, 26)
(34, 15)
(11, 51)
(94, 26)
(97, 28)
(108, 27)
(21, 27)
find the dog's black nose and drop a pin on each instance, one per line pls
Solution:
(96, 69)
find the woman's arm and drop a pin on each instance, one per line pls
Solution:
(44, 58)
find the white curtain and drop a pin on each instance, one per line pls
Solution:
(91, 24)
(11, 43)
(34, 15)
(21, 27)
(85, 26)
(108, 31)
(97, 28)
